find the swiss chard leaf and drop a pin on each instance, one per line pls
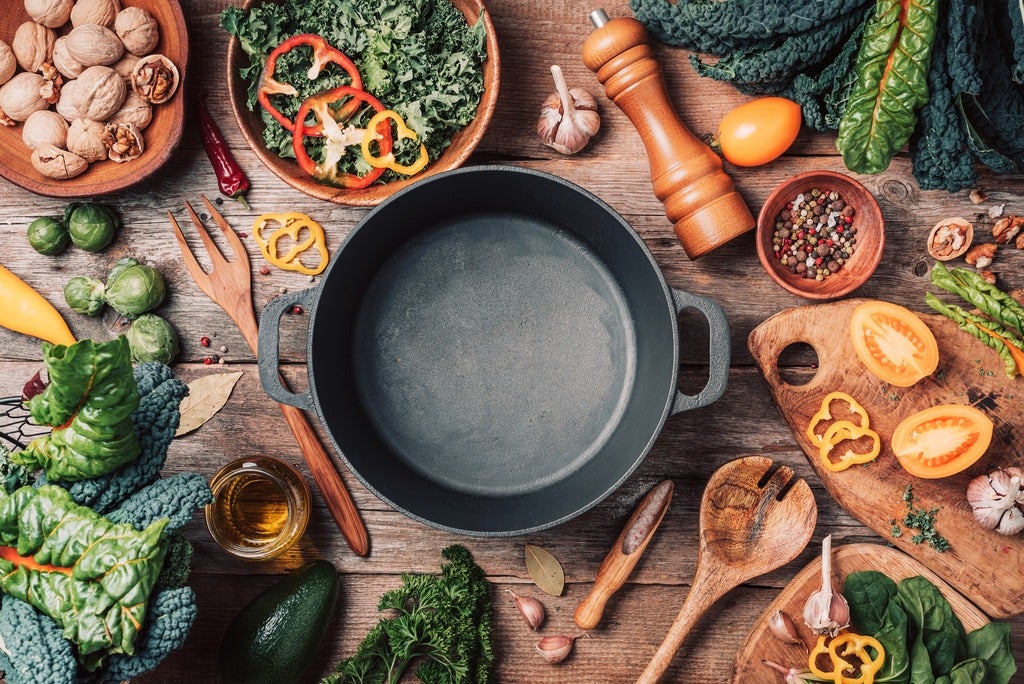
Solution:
(892, 68)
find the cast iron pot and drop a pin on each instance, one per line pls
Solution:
(493, 350)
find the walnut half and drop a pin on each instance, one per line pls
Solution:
(980, 256)
(1006, 229)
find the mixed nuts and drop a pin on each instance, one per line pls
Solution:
(102, 79)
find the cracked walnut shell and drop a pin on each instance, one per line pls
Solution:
(123, 141)
(155, 79)
(950, 238)
(54, 162)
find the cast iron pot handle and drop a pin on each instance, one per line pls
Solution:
(718, 350)
(268, 355)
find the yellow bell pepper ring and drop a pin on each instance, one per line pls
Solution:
(291, 224)
(839, 432)
(860, 656)
(388, 160)
(825, 413)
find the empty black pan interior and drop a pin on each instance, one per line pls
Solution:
(493, 351)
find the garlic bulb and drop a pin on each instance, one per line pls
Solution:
(997, 500)
(568, 118)
(826, 610)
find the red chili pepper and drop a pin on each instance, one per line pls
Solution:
(323, 54)
(231, 178)
(319, 105)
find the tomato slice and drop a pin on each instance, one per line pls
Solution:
(895, 345)
(942, 441)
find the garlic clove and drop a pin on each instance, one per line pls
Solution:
(555, 649)
(782, 628)
(530, 608)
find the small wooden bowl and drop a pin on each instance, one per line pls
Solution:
(161, 137)
(867, 220)
(462, 145)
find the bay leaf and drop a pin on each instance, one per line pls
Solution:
(545, 570)
(206, 396)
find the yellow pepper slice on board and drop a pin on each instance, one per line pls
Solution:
(825, 413)
(868, 651)
(388, 160)
(291, 224)
(839, 432)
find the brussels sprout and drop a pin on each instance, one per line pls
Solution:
(84, 295)
(152, 338)
(48, 235)
(91, 226)
(134, 288)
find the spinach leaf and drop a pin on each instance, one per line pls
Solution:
(991, 645)
(972, 671)
(868, 593)
(935, 629)
(892, 68)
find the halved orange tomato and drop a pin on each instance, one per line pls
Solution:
(942, 441)
(894, 344)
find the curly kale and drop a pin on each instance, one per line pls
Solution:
(13, 475)
(170, 618)
(174, 498)
(441, 621)
(177, 562)
(156, 420)
(32, 648)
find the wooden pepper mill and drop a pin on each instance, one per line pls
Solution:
(699, 198)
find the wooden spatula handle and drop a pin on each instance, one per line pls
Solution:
(699, 198)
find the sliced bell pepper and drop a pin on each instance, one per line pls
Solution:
(839, 432)
(291, 224)
(869, 654)
(387, 160)
(323, 54)
(825, 413)
(338, 138)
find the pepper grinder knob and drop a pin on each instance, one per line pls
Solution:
(700, 199)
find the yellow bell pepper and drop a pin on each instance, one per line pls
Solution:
(869, 654)
(839, 432)
(825, 413)
(291, 224)
(388, 160)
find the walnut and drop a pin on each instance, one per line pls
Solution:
(135, 111)
(155, 79)
(54, 162)
(102, 12)
(1019, 244)
(94, 45)
(980, 256)
(126, 65)
(67, 105)
(950, 238)
(23, 95)
(989, 277)
(44, 127)
(1006, 229)
(33, 45)
(124, 142)
(50, 13)
(99, 92)
(8, 62)
(65, 63)
(85, 138)
(137, 29)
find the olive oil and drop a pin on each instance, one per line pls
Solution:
(260, 508)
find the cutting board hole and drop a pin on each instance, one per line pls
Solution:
(798, 364)
(694, 344)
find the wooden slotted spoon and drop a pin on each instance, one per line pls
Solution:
(752, 521)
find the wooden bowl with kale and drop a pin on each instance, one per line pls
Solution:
(350, 102)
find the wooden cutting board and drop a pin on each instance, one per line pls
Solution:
(760, 644)
(984, 566)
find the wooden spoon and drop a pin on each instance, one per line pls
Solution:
(752, 521)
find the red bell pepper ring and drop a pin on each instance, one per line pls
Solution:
(338, 138)
(323, 54)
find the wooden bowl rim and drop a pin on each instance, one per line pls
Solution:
(75, 187)
(288, 170)
(864, 261)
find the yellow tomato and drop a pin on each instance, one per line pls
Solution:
(757, 132)
(893, 343)
(942, 441)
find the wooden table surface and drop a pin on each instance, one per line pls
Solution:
(533, 34)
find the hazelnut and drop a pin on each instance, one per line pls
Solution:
(65, 63)
(137, 29)
(950, 238)
(85, 138)
(94, 45)
(135, 111)
(8, 62)
(33, 45)
(124, 142)
(44, 127)
(102, 12)
(155, 79)
(23, 95)
(980, 256)
(1006, 229)
(50, 13)
(99, 92)
(54, 162)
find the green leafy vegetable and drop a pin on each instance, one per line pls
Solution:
(982, 328)
(89, 402)
(443, 622)
(986, 297)
(32, 649)
(892, 72)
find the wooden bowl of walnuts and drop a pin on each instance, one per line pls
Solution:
(90, 93)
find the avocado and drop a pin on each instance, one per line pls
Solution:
(274, 637)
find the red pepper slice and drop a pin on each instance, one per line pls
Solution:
(323, 54)
(319, 105)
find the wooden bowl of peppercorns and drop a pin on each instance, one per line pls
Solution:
(820, 235)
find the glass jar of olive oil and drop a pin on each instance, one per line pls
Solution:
(260, 508)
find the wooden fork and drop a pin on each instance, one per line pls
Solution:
(229, 284)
